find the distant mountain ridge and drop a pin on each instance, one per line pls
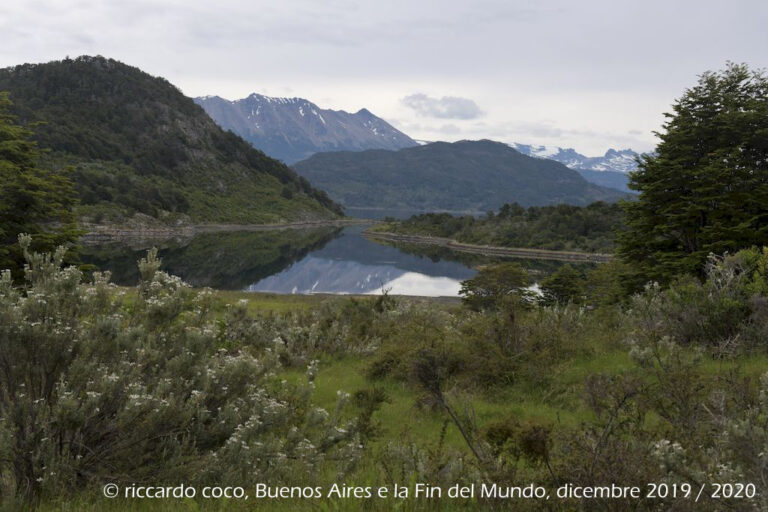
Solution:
(292, 129)
(609, 170)
(139, 146)
(465, 175)
(622, 160)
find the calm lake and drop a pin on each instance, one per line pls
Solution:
(326, 260)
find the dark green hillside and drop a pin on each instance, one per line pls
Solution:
(466, 175)
(610, 179)
(139, 145)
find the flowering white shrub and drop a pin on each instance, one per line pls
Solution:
(97, 385)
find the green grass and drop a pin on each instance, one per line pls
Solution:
(558, 403)
(751, 365)
(551, 396)
(263, 302)
(402, 417)
(258, 302)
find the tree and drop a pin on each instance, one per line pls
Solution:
(563, 286)
(706, 188)
(493, 284)
(32, 200)
(607, 284)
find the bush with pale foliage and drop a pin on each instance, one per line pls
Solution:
(98, 386)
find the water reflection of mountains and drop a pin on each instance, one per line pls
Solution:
(329, 260)
(353, 264)
(228, 261)
(351, 246)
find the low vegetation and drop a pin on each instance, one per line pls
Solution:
(166, 383)
(648, 369)
(150, 387)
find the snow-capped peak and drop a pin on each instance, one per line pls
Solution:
(622, 160)
(292, 129)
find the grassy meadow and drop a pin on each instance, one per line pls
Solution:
(525, 392)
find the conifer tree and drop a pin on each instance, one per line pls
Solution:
(32, 200)
(706, 188)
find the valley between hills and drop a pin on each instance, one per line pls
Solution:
(184, 302)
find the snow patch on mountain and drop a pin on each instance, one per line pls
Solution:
(292, 129)
(623, 160)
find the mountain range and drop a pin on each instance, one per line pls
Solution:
(609, 170)
(141, 149)
(292, 129)
(460, 176)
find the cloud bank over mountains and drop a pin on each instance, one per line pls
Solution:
(593, 74)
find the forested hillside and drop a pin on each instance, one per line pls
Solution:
(138, 145)
(466, 175)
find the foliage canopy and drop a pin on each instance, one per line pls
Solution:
(32, 200)
(706, 188)
(493, 284)
(563, 286)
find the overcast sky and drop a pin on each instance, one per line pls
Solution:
(586, 74)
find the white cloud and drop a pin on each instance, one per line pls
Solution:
(447, 107)
(588, 75)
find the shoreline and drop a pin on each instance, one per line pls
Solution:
(490, 250)
(101, 233)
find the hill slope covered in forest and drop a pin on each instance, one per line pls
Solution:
(138, 145)
(465, 175)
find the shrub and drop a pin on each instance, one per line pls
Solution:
(95, 389)
(724, 312)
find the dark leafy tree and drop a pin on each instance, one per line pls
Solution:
(564, 286)
(32, 200)
(607, 284)
(706, 188)
(495, 285)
